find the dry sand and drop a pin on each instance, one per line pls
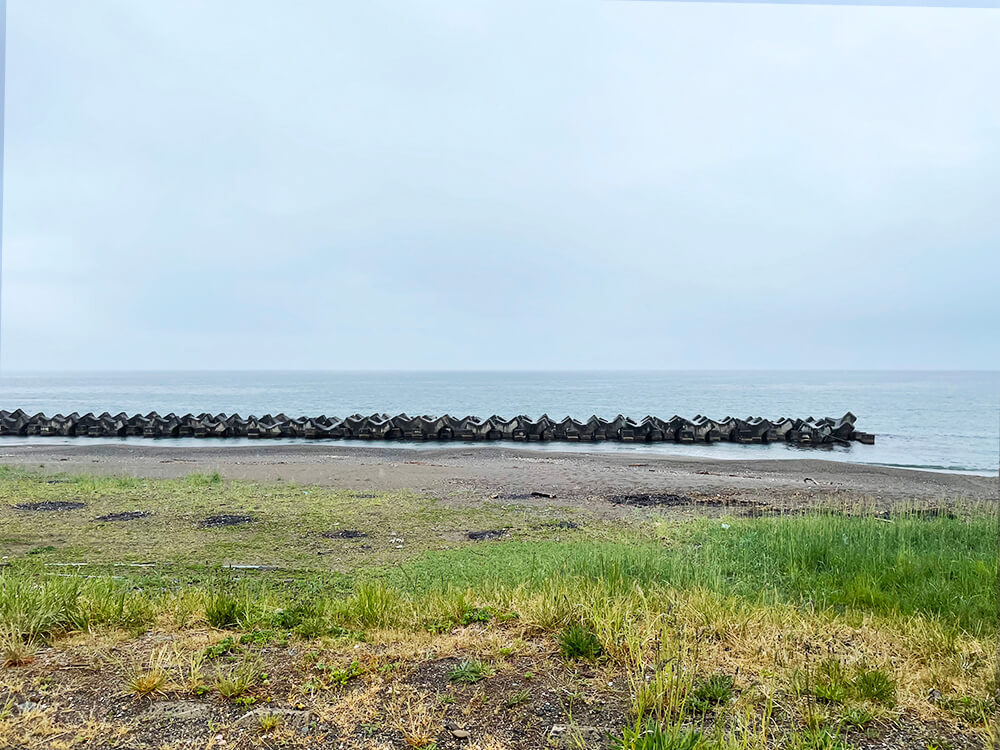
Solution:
(460, 472)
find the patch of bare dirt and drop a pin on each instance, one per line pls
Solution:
(50, 505)
(225, 519)
(128, 515)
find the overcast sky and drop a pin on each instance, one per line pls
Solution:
(524, 185)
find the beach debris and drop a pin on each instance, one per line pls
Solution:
(50, 505)
(127, 515)
(560, 524)
(542, 494)
(486, 535)
(649, 429)
(344, 534)
(650, 500)
(225, 519)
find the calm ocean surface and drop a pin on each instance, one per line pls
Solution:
(931, 420)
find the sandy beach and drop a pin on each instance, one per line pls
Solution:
(460, 473)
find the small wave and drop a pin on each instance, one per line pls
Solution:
(980, 471)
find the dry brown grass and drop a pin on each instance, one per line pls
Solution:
(415, 714)
(41, 730)
(148, 677)
(357, 707)
(16, 651)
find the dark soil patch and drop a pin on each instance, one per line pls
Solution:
(51, 505)
(225, 519)
(127, 515)
(486, 534)
(560, 524)
(524, 495)
(648, 501)
(344, 534)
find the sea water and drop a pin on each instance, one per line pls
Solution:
(929, 420)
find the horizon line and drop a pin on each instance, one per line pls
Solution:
(366, 371)
(964, 4)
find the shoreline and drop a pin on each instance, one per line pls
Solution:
(469, 473)
(728, 451)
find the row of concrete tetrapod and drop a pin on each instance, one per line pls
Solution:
(402, 427)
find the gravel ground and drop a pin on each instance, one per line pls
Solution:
(458, 472)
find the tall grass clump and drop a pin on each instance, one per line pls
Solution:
(244, 606)
(579, 642)
(109, 603)
(39, 608)
(373, 604)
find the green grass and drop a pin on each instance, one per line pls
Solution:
(907, 565)
(287, 531)
(935, 567)
(931, 566)
(830, 682)
(653, 736)
(579, 642)
(715, 691)
(639, 596)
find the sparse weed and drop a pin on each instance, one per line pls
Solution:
(268, 722)
(579, 642)
(970, 709)
(149, 678)
(874, 685)
(226, 646)
(654, 736)
(717, 690)
(235, 681)
(830, 682)
(470, 671)
(856, 716)
(191, 667)
(16, 651)
(337, 675)
(816, 739)
(518, 698)
(475, 614)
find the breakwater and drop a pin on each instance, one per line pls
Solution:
(703, 429)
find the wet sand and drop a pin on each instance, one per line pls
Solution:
(461, 473)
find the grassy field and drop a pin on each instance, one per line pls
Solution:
(324, 618)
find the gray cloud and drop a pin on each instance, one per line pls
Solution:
(455, 185)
